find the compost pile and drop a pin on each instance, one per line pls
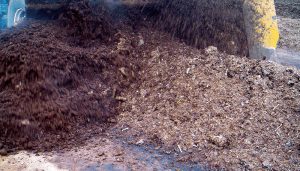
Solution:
(204, 23)
(58, 78)
(289, 24)
(208, 106)
(51, 86)
(85, 23)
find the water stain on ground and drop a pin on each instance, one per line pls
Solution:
(287, 57)
(98, 154)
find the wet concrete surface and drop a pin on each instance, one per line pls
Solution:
(98, 154)
(287, 57)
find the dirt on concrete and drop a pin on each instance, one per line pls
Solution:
(103, 153)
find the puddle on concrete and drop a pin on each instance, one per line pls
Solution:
(98, 154)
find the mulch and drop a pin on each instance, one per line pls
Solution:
(59, 82)
(53, 83)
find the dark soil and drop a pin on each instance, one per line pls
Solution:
(85, 23)
(289, 9)
(205, 23)
(52, 85)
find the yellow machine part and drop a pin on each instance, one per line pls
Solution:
(261, 26)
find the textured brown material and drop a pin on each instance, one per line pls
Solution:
(206, 106)
(50, 84)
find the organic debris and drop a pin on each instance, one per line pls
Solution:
(87, 22)
(61, 85)
(226, 110)
(50, 88)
